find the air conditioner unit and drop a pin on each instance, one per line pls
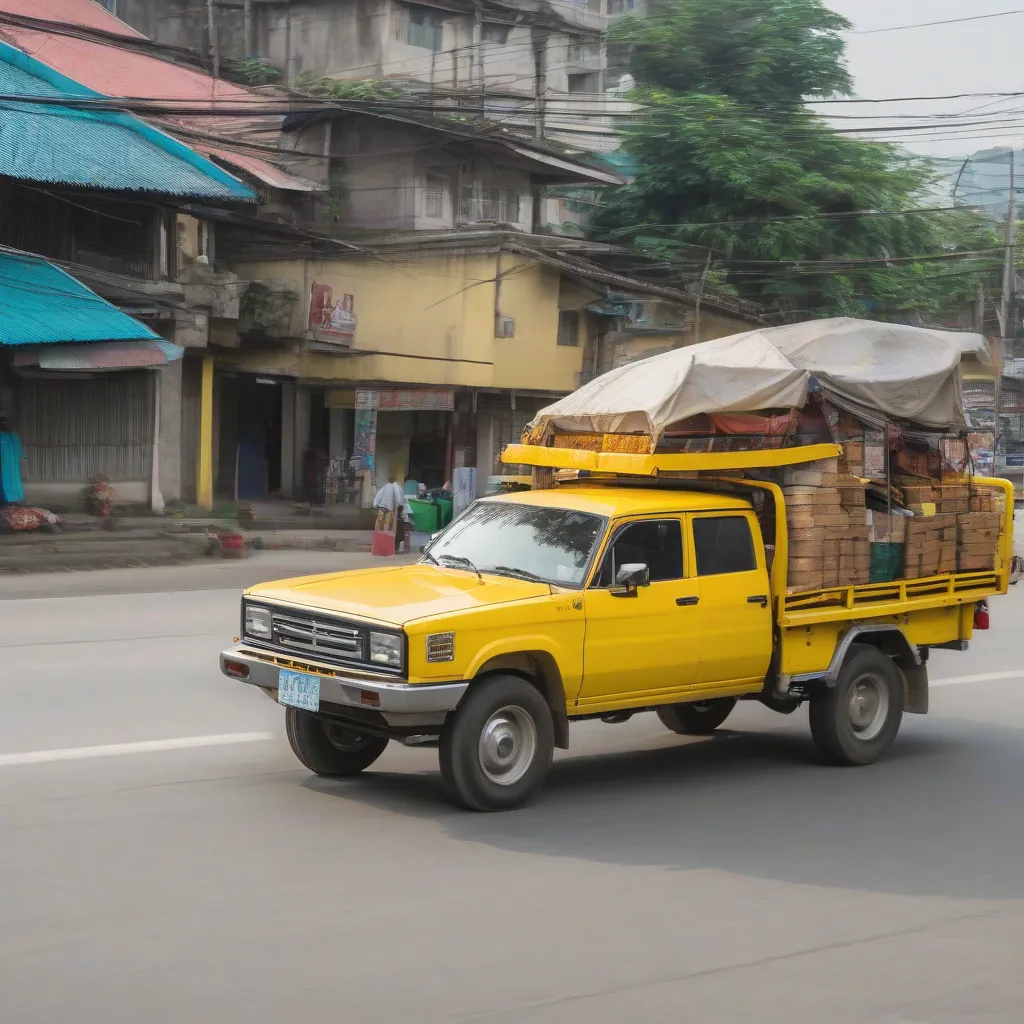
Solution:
(504, 327)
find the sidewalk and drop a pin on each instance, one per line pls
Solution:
(156, 541)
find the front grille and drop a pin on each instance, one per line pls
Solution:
(318, 637)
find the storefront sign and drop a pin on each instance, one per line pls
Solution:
(406, 400)
(331, 321)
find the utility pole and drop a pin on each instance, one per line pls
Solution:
(250, 47)
(211, 25)
(1008, 312)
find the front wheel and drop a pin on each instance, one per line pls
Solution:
(698, 718)
(496, 748)
(856, 721)
(328, 748)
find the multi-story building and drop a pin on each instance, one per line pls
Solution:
(539, 64)
(98, 316)
(398, 302)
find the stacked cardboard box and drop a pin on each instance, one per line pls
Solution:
(978, 538)
(853, 456)
(984, 500)
(828, 543)
(931, 545)
(887, 528)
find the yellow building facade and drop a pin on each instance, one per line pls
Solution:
(413, 365)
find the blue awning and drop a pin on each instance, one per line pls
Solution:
(40, 304)
(45, 141)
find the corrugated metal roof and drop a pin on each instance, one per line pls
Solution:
(108, 150)
(116, 71)
(268, 173)
(101, 355)
(75, 12)
(41, 304)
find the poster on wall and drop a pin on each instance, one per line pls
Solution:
(364, 445)
(332, 321)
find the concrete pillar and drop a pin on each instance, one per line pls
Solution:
(288, 440)
(337, 441)
(168, 386)
(204, 466)
(302, 415)
(484, 449)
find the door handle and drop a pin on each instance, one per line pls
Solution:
(686, 602)
(761, 599)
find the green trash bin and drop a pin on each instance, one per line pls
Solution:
(425, 517)
(446, 507)
(886, 562)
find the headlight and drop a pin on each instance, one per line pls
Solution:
(258, 622)
(386, 649)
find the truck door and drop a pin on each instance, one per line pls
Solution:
(644, 643)
(735, 599)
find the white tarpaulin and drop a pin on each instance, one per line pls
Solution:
(873, 369)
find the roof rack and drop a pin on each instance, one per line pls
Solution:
(626, 464)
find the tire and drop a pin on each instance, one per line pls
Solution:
(329, 749)
(699, 718)
(496, 747)
(856, 721)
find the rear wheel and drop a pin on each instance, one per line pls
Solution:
(856, 721)
(328, 748)
(496, 748)
(697, 718)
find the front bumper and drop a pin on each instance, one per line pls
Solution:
(400, 704)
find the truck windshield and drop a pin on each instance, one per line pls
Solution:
(549, 544)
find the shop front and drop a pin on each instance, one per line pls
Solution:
(407, 433)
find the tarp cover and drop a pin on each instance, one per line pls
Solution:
(875, 370)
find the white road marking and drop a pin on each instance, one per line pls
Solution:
(988, 677)
(145, 747)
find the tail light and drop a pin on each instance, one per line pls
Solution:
(981, 615)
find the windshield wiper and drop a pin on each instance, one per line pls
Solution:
(461, 560)
(507, 570)
(428, 557)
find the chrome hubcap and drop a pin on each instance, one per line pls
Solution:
(508, 745)
(868, 707)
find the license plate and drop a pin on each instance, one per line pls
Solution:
(298, 689)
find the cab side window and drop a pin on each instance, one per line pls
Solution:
(723, 544)
(657, 543)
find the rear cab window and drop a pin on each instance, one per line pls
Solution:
(723, 544)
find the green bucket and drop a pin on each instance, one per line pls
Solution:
(886, 562)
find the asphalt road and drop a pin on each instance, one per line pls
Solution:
(164, 859)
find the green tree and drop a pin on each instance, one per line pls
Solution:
(794, 213)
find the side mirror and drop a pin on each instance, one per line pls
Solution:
(630, 578)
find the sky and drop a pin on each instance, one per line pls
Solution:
(970, 57)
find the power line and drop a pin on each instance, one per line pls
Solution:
(930, 24)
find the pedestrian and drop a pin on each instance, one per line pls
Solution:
(392, 512)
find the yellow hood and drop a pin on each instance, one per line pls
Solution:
(398, 595)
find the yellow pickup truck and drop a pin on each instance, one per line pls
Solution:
(594, 600)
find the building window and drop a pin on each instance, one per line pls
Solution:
(495, 33)
(590, 82)
(509, 213)
(583, 53)
(492, 204)
(423, 27)
(568, 327)
(433, 197)
(621, 6)
(482, 204)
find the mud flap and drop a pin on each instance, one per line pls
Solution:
(916, 693)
